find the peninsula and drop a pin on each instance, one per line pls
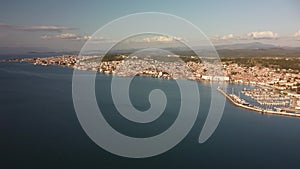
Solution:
(278, 78)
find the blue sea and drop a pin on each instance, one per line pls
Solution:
(39, 127)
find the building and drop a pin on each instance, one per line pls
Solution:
(215, 78)
(298, 105)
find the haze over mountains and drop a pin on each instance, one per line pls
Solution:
(254, 45)
(257, 49)
(228, 50)
(17, 52)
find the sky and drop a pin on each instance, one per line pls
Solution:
(66, 25)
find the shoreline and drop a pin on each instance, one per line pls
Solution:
(70, 62)
(255, 109)
(109, 71)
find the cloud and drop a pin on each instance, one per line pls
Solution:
(297, 34)
(100, 40)
(161, 39)
(45, 37)
(68, 36)
(226, 37)
(262, 35)
(45, 28)
(229, 36)
(86, 37)
(158, 39)
(72, 36)
(149, 39)
(4, 25)
(247, 36)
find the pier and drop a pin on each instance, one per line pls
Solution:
(256, 109)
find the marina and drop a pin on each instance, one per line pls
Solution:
(243, 104)
(267, 97)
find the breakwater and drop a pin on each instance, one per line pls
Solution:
(256, 109)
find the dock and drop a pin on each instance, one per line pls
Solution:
(291, 109)
(256, 109)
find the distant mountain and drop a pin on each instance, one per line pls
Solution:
(22, 52)
(254, 45)
(255, 49)
(291, 48)
(271, 52)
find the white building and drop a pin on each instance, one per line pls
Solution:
(215, 78)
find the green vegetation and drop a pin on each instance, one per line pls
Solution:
(272, 52)
(270, 62)
(273, 57)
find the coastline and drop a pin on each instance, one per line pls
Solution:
(256, 109)
(110, 68)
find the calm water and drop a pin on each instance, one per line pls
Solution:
(39, 127)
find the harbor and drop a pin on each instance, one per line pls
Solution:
(237, 101)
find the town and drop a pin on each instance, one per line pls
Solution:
(279, 82)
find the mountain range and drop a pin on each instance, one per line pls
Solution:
(228, 50)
